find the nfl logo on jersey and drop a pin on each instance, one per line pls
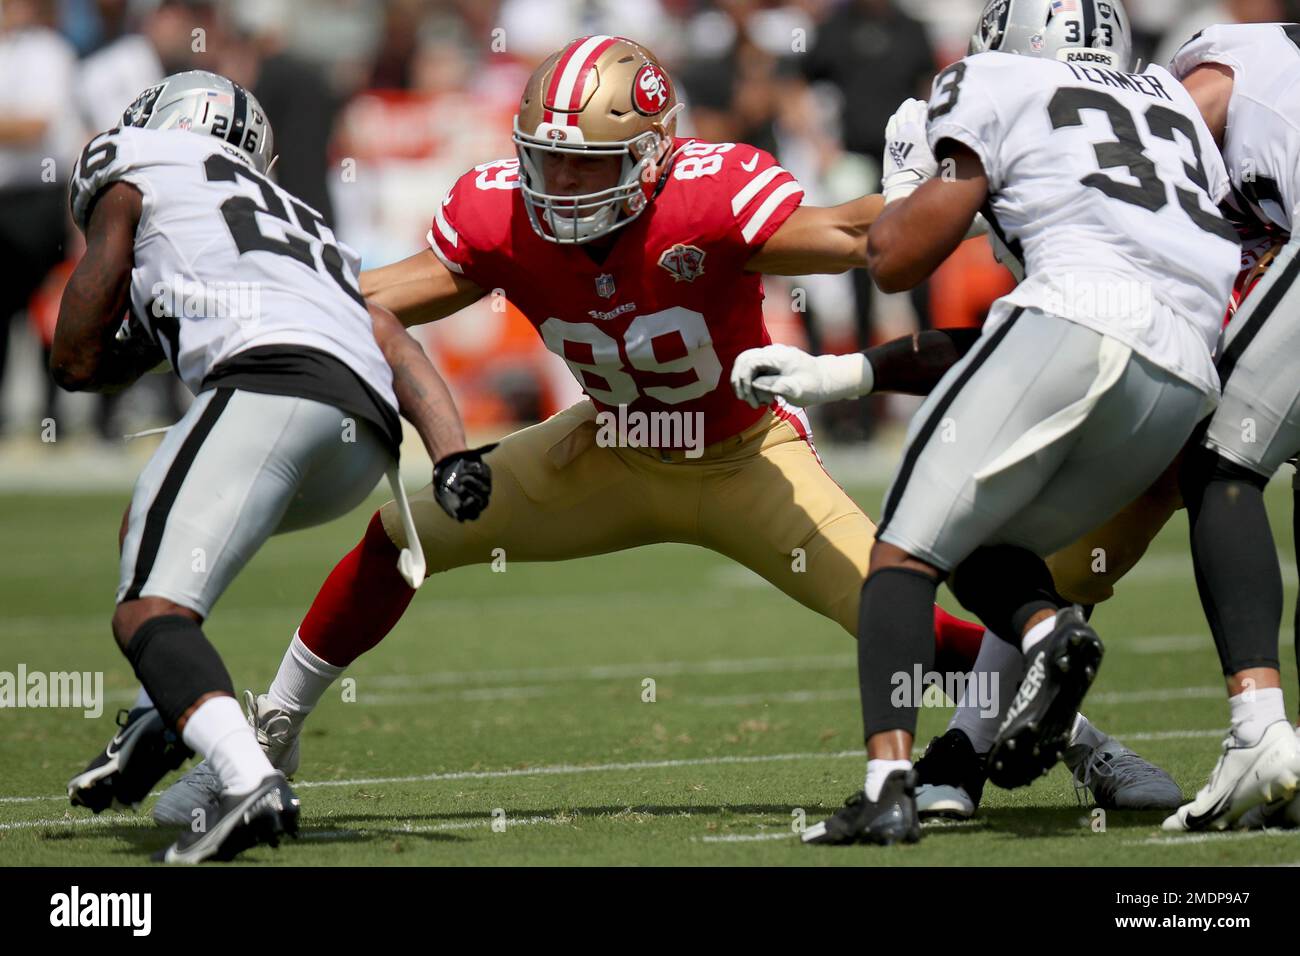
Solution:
(604, 285)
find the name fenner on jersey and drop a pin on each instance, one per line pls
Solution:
(1144, 83)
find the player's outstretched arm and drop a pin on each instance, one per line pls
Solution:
(422, 395)
(819, 239)
(462, 480)
(914, 235)
(85, 355)
(419, 289)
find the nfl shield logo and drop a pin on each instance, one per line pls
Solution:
(684, 263)
(604, 285)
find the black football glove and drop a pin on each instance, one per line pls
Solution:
(462, 483)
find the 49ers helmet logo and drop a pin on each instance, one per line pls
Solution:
(650, 90)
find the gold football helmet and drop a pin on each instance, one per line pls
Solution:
(599, 96)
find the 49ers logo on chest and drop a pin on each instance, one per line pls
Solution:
(683, 263)
(650, 90)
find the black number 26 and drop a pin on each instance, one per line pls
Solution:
(1128, 150)
(241, 212)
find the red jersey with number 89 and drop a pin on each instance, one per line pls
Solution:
(656, 324)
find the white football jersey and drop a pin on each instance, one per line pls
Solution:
(227, 261)
(1105, 185)
(1262, 144)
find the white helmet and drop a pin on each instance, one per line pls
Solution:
(210, 104)
(1092, 32)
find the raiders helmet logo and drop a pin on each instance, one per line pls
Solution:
(650, 90)
(683, 263)
(141, 108)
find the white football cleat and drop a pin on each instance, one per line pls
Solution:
(1278, 814)
(1244, 777)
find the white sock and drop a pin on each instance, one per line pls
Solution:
(301, 681)
(219, 731)
(877, 771)
(998, 669)
(1253, 710)
(142, 699)
(1083, 732)
(1037, 633)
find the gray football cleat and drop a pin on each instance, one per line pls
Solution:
(237, 824)
(1119, 779)
(201, 788)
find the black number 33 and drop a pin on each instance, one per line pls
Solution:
(1128, 151)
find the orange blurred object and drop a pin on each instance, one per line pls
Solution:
(964, 288)
(43, 306)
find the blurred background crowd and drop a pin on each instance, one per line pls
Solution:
(378, 106)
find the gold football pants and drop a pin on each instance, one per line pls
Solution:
(761, 498)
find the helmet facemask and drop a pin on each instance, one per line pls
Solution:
(586, 216)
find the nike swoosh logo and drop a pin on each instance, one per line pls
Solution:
(749, 166)
(1194, 821)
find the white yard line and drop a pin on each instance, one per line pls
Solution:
(746, 837)
(1192, 839)
(557, 770)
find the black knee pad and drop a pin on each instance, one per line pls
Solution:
(176, 664)
(1004, 586)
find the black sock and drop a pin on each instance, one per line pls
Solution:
(1004, 586)
(895, 634)
(1237, 572)
(176, 664)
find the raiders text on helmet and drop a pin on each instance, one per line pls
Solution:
(599, 96)
(1091, 32)
(210, 104)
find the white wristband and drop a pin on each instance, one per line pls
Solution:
(846, 376)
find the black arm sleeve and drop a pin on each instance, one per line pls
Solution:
(913, 364)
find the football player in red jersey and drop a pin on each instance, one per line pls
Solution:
(638, 256)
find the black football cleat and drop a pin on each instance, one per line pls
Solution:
(138, 756)
(1036, 730)
(239, 823)
(950, 778)
(889, 820)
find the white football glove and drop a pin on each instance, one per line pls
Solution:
(761, 375)
(909, 161)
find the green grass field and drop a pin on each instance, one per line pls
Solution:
(518, 696)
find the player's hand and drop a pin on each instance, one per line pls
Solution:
(462, 483)
(758, 376)
(909, 161)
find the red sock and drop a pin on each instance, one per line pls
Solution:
(361, 601)
(956, 642)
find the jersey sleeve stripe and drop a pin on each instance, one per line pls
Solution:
(770, 205)
(444, 227)
(753, 188)
(433, 244)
